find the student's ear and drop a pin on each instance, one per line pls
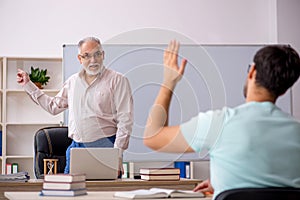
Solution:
(252, 72)
(103, 54)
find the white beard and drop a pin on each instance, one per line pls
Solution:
(98, 68)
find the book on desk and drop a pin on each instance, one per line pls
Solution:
(67, 178)
(158, 193)
(70, 193)
(161, 177)
(64, 185)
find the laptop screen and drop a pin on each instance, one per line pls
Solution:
(96, 163)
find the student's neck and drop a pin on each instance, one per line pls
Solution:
(260, 95)
(89, 78)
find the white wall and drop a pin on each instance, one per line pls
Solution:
(289, 33)
(40, 28)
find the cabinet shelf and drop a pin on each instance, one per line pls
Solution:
(53, 66)
(20, 157)
(20, 117)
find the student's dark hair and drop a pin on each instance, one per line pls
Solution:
(278, 68)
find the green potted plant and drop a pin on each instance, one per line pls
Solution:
(39, 77)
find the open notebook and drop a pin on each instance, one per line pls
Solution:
(158, 193)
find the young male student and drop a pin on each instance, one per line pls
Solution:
(252, 145)
(99, 101)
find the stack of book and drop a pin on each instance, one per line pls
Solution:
(16, 177)
(64, 185)
(160, 174)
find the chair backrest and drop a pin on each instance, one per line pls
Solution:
(50, 142)
(274, 193)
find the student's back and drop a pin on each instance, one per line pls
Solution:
(259, 146)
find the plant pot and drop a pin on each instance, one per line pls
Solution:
(39, 85)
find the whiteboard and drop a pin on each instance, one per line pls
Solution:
(214, 77)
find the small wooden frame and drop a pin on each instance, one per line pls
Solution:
(49, 164)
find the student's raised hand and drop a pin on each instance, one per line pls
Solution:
(172, 72)
(204, 187)
(22, 77)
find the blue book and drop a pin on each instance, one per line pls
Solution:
(184, 169)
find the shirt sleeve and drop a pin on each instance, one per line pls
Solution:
(53, 105)
(202, 131)
(124, 107)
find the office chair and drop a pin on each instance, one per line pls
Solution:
(274, 193)
(50, 143)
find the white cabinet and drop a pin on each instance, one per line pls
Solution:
(20, 116)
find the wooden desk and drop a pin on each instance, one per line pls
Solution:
(109, 185)
(90, 196)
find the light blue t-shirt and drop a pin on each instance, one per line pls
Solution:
(252, 145)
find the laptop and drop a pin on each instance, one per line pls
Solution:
(96, 163)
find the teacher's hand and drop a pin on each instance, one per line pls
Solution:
(22, 77)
